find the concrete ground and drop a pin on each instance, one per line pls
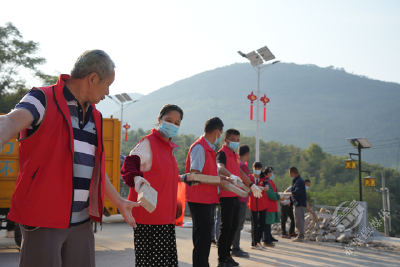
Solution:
(114, 247)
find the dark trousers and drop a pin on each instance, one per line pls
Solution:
(257, 226)
(242, 219)
(286, 211)
(203, 222)
(229, 225)
(267, 233)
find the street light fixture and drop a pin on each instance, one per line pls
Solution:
(359, 143)
(369, 181)
(257, 59)
(122, 99)
(350, 163)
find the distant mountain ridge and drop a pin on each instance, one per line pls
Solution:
(308, 104)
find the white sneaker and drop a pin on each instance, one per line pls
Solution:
(261, 245)
(10, 234)
(256, 247)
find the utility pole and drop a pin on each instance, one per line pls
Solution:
(385, 204)
(359, 170)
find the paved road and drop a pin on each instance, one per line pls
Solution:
(114, 247)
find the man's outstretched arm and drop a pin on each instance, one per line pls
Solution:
(124, 206)
(14, 122)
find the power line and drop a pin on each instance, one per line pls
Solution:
(378, 141)
(385, 140)
(373, 148)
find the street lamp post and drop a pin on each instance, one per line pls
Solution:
(256, 60)
(122, 98)
(359, 143)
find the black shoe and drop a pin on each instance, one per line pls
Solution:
(224, 264)
(273, 239)
(239, 253)
(231, 261)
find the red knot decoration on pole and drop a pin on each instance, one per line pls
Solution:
(252, 97)
(127, 127)
(265, 100)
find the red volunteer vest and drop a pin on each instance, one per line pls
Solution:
(203, 193)
(43, 194)
(164, 178)
(272, 205)
(232, 165)
(258, 204)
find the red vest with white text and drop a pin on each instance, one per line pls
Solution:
(232, 165)
(164, 178)
(203, 193)
(44, 190)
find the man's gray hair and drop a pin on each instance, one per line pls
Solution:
(91, 61)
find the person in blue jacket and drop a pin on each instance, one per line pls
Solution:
(300, 202)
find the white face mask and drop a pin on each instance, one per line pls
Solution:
(217, 139)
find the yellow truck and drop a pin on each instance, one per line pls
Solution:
(9, 167)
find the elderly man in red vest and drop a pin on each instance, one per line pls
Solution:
(62, 181)
(229, 165)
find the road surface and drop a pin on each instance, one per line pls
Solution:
(114, 247)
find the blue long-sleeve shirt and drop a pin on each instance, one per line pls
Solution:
(299, 191)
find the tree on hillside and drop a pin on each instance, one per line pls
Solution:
(314, 155)
(17, 59)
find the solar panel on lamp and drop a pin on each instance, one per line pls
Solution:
(364, 143)
(266, 53)
(120, 98)
(253, 57)
(126, 96)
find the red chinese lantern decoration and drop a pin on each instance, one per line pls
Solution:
(252, 98)
(265, 100)
(127, 127)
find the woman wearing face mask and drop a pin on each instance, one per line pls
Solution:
(258, 207)
(272, 207)
(153, 162)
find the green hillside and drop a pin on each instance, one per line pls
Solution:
(308, 105)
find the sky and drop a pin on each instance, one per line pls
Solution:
(156, 43)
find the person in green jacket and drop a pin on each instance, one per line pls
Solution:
(272, 206)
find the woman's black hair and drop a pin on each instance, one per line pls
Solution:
(268, 170)
(258, 164)
(168, 108)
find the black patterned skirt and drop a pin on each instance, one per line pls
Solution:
(155, 245)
